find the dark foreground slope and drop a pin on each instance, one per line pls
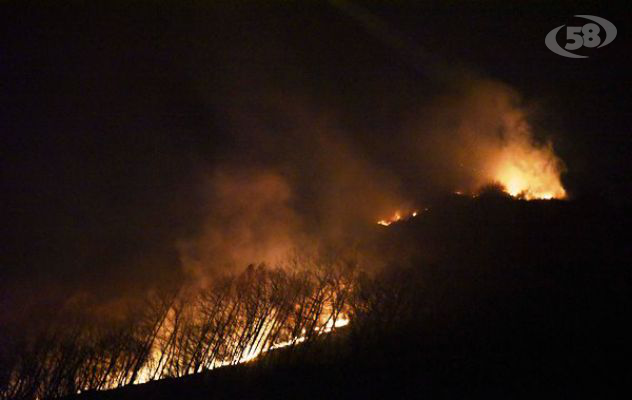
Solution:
(495, 297)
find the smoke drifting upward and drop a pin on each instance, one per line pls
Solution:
(248, 220)
(306, 190)
(482, 127)
(308, 137)
(310, 185)
(313, 161)
(480, 134)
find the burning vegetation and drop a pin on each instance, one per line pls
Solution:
(179, 332)
(397, 216)
(228, 188)
(224, 315)
(481, 134)
(530, 173)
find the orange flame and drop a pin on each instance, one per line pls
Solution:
(397, 216)
(530, 172)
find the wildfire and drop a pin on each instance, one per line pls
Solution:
(524, 184)
(526, 179)
(526, 168)
(327, 322)
(531, 174)
(397, 216)
(254, 353)
(329, 327)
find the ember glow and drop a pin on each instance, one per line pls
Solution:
(239, 320)
(530, 173)
(397, 216)
(211, 183)
(261, 345)
(485, 135)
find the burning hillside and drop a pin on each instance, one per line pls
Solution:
(178, 333)
(195, 188)
(436, 318)
(530, 173)
(222, 314)
(397, 216)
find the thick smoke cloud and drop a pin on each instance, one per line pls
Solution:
(315, 151)
(305, 184)
(305, 189)
(479, 134)
(248, 220)
(233, 136)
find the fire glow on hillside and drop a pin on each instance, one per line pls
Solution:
(531, 177)
(397, 216)
(261, 345)
(527, 168)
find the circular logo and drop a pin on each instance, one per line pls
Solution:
(582, 36)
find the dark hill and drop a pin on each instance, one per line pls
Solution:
(496, 297)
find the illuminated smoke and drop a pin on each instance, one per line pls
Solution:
(248, 219)
(481, 135)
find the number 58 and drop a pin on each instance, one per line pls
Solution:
(590, 37)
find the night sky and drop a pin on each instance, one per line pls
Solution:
(112, 114)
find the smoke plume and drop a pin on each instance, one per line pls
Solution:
(298, 182)
(481, 134)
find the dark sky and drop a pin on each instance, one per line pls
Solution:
(109, 111)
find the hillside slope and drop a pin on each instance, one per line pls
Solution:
(497, 298)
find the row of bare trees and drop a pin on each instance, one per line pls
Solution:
(178, 332)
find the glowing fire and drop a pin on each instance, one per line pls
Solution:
(252, 352)
(397, 216)
(527, 169)
(530, 173)
(520, 183)
(329, 327)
